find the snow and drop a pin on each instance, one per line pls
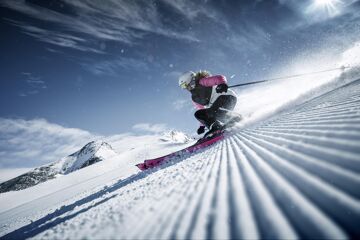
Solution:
(290, 170)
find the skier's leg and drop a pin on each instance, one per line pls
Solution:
(222, 106)
(205, 116)
(225, 101)
(218, 111)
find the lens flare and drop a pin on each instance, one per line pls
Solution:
(330, 6)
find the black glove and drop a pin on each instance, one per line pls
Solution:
(222, 88)
(201, 130)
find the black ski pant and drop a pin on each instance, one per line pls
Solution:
(218, 111)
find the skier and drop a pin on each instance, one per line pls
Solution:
(211, 97)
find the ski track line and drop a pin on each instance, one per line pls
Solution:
(320, 110)
(341, 177)
(335, 156)
(333, 120)
(329, 108)
(342, 127)
(320, 117)
(322, 120)
(300, 211)
(325, 108)
(327, 124)
(263, 204)
(337, 142)
(346, 145)
(293, 176)
(318, 190)
(345, 135)
(242, 217)
(325, 114)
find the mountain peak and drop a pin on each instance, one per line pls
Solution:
(92, 147)
(91, 153)
(175, 136)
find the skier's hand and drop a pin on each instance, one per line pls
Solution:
(222, 88)
(201, 130)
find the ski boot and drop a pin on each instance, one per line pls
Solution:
(215, 128)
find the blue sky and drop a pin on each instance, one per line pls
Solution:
(108, 67)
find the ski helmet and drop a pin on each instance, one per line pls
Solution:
(186, 79)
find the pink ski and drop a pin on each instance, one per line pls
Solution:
(151, 163)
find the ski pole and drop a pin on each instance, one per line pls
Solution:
(287, 77)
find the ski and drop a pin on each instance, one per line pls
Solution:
(208, 139)
(200, 144)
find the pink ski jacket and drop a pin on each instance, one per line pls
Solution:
(210, 82)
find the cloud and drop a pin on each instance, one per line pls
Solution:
(181, 104)
(193, 9)
(112, 67)
(250, 37)
(57, 38)
(34, 84)
(30, 143)
(84, 21)
(153, 128)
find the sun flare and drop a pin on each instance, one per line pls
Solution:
(330, 6)
(324, 2)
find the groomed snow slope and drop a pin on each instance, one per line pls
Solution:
(296, 175)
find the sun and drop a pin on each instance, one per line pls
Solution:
(323, 2)
(326, 3)
(330, 6)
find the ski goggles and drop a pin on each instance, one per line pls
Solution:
(185, 85)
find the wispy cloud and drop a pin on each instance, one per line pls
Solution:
(57, 38)
(181, 104)
(193, 9)
(251, 37)
(28, 143)
(114, 20)
(152, 128)
(112, 67)
(34, 84)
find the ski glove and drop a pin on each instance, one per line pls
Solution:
(222, 88)
(201, 130)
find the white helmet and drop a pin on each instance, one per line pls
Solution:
(186, 79)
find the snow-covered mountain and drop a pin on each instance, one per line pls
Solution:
(176, 137)
(91, 153)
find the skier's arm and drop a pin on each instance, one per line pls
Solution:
(213, 80)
